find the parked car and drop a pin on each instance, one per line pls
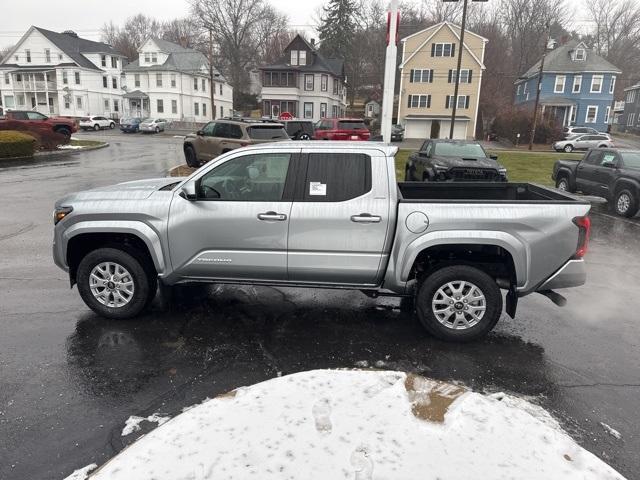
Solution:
(341, 129)
(38, 124)
(453, 160)
(267, 215)
(569, 132)
(298, 129)
(152, 125)
(583, 142)
(96, 123)
(130, 125)
(611, 174)
(222, 136)
(397, 133)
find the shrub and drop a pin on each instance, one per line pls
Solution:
(16, 144)
(509, 122)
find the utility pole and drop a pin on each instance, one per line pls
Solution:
(535, 107)
(393, 18)
(460, 48)
(212, 85)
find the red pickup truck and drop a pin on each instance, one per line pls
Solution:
(41, 126)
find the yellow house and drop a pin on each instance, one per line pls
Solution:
(427, 82)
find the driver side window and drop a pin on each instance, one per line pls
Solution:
(250, 178)
(208, 129)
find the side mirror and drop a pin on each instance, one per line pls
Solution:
(423, 154)
(200, 133)
(188, 191)
(493, 157)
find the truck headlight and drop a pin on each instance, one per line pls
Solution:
(61, 212)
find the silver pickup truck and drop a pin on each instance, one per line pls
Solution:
(329, 215)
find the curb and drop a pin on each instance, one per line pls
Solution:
(55, 153)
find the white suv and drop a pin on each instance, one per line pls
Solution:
(96, 123)
(572, 132)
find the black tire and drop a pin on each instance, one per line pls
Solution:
(157, 129)
(562, 183)
(144, 281)
(602, 146)
(64, 132)
(190, 157)
(568, 148)
(625, 203)
(112, 125)
(452, 274)
(96, 127)
(304, 136)
(410, 174)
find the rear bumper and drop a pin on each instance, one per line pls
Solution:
(571, 274)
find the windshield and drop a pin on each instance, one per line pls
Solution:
(351, 125)
(267, 132)
(459, 150)
(631, 159)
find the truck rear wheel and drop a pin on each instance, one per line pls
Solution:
(115, 284)
(625, 203)
(459, 303)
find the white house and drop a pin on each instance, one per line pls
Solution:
(304, 83)
(62, 74)
(174, 83)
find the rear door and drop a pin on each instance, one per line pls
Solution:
(206, 144)
(339, 218)
(229, 137)
(264, 133)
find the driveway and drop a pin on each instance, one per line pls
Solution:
(69, 379)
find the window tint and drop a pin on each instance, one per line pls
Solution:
(459, 150)
(234, 131)
(35, 116)
(267, 132)
(336, 177)
(221, 130)
(608, 157)
(209, 128)
(631, 159)
(251, 178)
(593, 157)
(351, 125)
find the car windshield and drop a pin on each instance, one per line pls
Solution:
(631, 159)
(447, 149)
(351, 125)
(267, 132)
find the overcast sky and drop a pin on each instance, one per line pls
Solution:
(87, 16)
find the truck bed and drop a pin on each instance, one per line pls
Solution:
(492, 192)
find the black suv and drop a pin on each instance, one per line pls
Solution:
(453, 160)
(298, 129)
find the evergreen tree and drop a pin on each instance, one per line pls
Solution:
(338, 28)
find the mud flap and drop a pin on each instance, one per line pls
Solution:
(512, 301)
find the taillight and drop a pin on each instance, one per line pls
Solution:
(584, 227)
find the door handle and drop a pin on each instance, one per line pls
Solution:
(366, 218)
(272, 216)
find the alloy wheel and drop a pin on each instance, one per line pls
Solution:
(459, 305)
(623, 203)
(111, 284)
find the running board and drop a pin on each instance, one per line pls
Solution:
(555, 297)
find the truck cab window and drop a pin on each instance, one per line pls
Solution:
(336, 177)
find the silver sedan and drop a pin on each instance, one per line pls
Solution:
(153, 125)
(583, 142)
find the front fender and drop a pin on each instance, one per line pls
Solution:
(141, 230)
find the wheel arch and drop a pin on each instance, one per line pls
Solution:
(632, 185)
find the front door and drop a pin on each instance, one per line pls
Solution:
(339, 219)
(205, 144)
(586, 172)
(435, 129)
(236, 228)
(606, 173)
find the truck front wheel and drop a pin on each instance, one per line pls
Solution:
(459, 303)
(114, 284)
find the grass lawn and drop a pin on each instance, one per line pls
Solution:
(521, 166)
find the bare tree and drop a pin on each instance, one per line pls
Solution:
(184, 32)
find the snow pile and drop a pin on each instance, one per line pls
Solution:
(69, 147)
(132, 424)
(82, 473)
(357, 424)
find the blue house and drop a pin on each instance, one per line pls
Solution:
(577, 86)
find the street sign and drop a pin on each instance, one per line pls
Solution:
(285, 116)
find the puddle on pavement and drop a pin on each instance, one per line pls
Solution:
(430, 399)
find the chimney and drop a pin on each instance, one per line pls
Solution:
(313, 42)
(71, 33)
(553, 43)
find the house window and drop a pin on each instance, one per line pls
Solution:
(335, 86)
(266, 108)
(324, 82)
(47, 55)
(630, 119)
(574, 114)
(580, 54)
(18, 77)
(65, 78)
(77, 77)
(103, 60)
(525, 88)
(518, 90)
(421, 76)
(116, 106)
(607, 114)
(418, 101)
(79, 102)
(592, 114)
(196, 109)
(308, 110)
(195, 84)
(67, 104)
(136, 79)
(204, 88)
(114, 63)
(596, 84)
(559, 85)
(221, 85)
(114, 82)
(154, 57)
(204, 109)
(308, 82)
(577, 84)
(20, 100)
(294, 57)
(612, 85)
(302, 57)
(323, 110)
(221, 111)
(443, 50)
(8, 101)
(334, 111)
(174, 106)
(465, 76)
(160, 106)
(106, 104)
(173, 80)
(631, 96)
(147, 57)
(6, 78)
(60, 56)
(28, 52)
(158, 79)
(105, 82)
(463, 101)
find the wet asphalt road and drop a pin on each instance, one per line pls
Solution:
(69, 380)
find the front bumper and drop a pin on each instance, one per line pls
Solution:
(148, 129)
(571, 274)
